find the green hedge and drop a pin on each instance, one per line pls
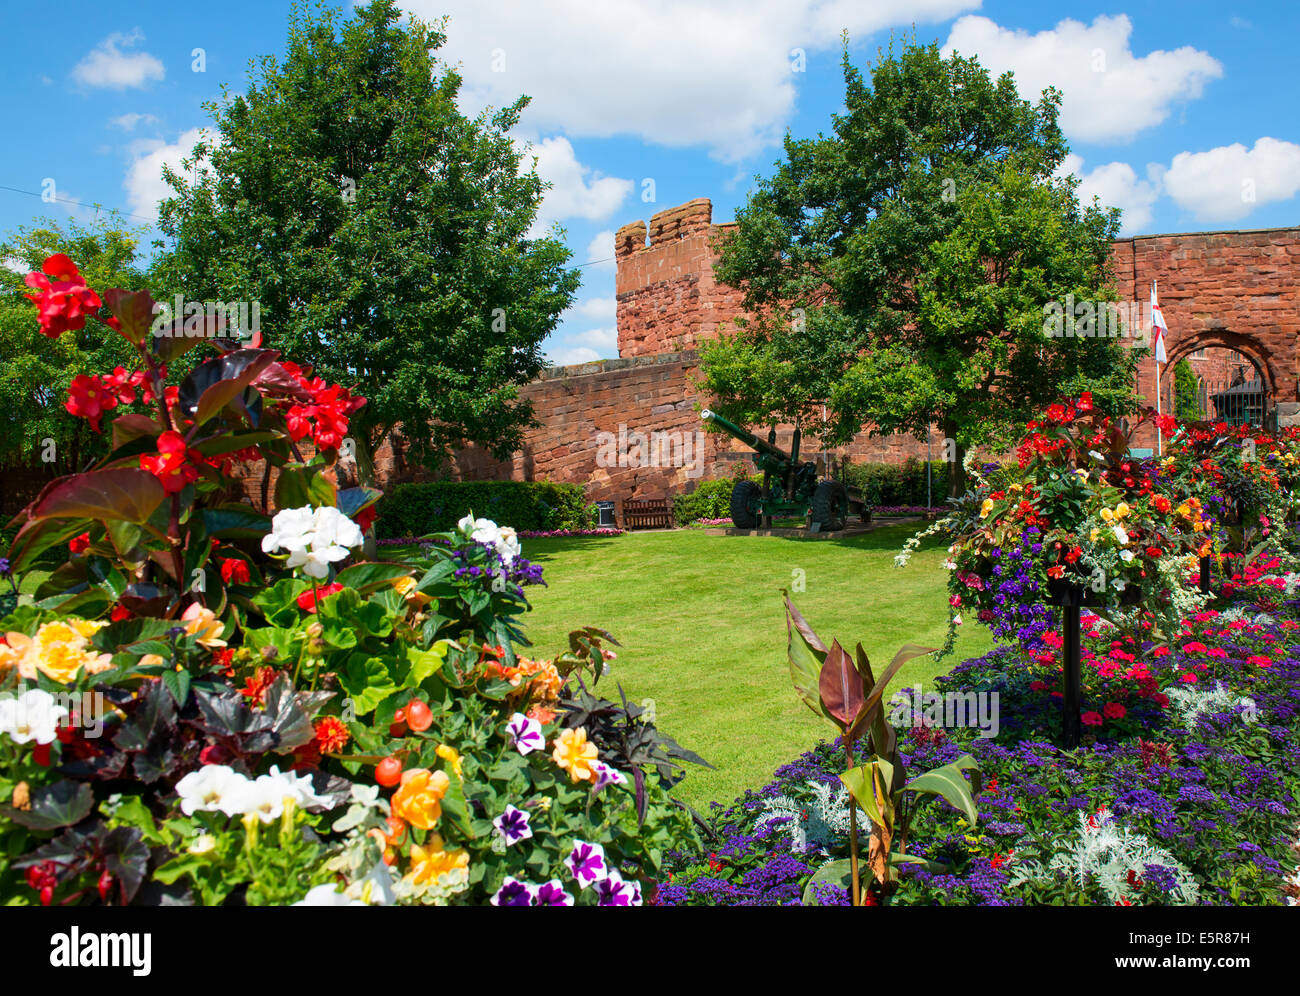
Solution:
(899, 484)
(711, 499)
(416, 509)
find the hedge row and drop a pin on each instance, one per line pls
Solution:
(416, 509)
(895, 484)
(710, 500)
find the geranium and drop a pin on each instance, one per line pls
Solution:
(418, 798)
(64, 302)
(313, 538)
(575, 754)
(1092, 719)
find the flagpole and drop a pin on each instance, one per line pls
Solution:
(1160, 442)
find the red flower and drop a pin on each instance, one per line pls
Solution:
(172, 466)
(366, 517)
(235, 571)
(256, 685)
(307, 600)
(64, 300)
(78, 544)
(1114, 710)
(89, 399)
(1161, 699)
(1084, 403)
(119, 613)
(331, 734)
(1091, 719)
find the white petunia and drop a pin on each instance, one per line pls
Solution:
(327, 895)
(213, 787)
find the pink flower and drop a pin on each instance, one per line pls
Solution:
(1190, 678)
(1114, 710)
(1091, 719)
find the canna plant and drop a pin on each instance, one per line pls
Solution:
(844, 691)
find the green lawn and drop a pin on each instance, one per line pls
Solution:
(703, 632)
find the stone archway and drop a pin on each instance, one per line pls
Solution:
(1263, 404)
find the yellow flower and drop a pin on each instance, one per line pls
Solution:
(986, 508)
(404, 584)
(431, 862)
(405, 587)
(1107, 515)
(452, 757)
(1121, 510)
(1093, 534)
(202, 622)
(574, 754)
(1017, 488)
(59, 650)
(418, 800)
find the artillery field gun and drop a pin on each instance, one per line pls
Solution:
(790, 489)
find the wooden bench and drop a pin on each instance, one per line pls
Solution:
(647, 513)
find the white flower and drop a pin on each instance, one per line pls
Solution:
(313, 538)
(507, 544)
(501, 538)
(34, 715)
(1126, 555)
(213, 787)
(1120, 534)
(327, 895)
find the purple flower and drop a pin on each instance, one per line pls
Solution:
(607, 775)
(586, 862)
(552, 894)
(613, 891)
(525, 733)
(513, 826)
(513, 893)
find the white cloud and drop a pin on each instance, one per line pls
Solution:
(1230, 181)
(108, 65)
(1117, 185)
(577, 191)
(144, 182)
(601, 248)
(604, 340)
(127, 122)
(679, 73)
(568, 356)
(600, 309)
(1109, 94)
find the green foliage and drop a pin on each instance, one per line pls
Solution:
(711, 499)
(419, 509)
(384, 234)
(1187, 395)
(35, 370)
(898, 269)
(893, 484)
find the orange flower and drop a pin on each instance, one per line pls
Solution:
(331, 734)
(202, 622)
(418, 800)
(574, 754)
(59, 650)
(431, 862)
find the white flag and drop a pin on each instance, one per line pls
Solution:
(1158, 327)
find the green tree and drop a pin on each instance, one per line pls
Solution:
(897, 270)
(35, 371)
(384, 235)
(1187, 393)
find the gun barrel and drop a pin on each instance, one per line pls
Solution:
(746, 437)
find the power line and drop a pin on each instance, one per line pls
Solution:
(81, 204)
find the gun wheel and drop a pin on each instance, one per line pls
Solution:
(830, 506)
(744, 504)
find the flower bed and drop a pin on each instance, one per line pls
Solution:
(1184, 792)
(211, 704)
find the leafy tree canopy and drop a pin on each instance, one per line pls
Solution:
(384, 235)
(896, 271)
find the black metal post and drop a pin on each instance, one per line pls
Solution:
(1205, 575)
(1073, 692)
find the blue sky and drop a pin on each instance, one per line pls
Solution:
(1183, 114)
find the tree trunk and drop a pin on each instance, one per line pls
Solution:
(955, 454)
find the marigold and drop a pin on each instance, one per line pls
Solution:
(418, 799)
(331, 734)
(575, 754)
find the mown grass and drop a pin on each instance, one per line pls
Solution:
(702, 629)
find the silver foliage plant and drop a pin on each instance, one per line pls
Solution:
(1105, 851)
(816, 818)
